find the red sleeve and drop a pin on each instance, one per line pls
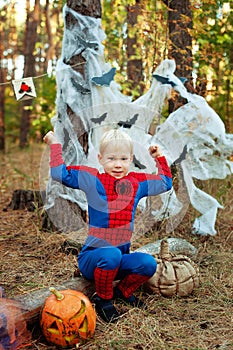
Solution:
(162, 166)
(55, 155)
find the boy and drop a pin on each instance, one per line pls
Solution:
(112, 198)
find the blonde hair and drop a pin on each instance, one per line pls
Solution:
(117, 136)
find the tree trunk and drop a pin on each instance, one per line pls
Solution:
(134, 63)
(50, 51)
(26, 199)
(29, 68)
(64, 215)
(90, 8)
(32, 200)
(2, 87)
(228, 121)
(180, 24)
(229, 105)
(2, 113)
(180, 48)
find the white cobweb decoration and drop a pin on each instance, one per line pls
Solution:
(194, 135)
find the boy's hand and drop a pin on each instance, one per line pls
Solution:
(50, 138)
(155, 151)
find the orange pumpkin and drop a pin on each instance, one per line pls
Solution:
(67, 318)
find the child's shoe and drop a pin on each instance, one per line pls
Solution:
(132, 300)
(105, 309)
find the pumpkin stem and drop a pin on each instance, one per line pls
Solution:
(164, 250)
(57, 294)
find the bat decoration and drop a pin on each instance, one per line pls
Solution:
(163, 80)
(100, 119)
(183, 79)
(79, 87)
(87, 44)
(182, 156)
(129, 122)
(138, 164)
(105, 79)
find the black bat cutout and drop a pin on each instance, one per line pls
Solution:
(182, 156)
(87, 44)
(164, 80)
(100, 119)
(138, 164)
(183, 79)
(105, 79)
(129, 122)
(79, 87)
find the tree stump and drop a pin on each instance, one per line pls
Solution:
(65, 216)
(26, 199)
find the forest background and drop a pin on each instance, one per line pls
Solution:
(139, 35)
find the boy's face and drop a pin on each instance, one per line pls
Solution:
(116, 159)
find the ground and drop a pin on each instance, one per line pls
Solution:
(32, 259)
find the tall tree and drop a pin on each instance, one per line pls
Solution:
(50, 51)
(64, 214)
(30, 40)
(87, 8)
(2, 89)
(136, 35)
(180, 43)
(90, 8)
(134, 58)
(179, 26)
(2, 78)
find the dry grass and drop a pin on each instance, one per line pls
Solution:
(32, 259)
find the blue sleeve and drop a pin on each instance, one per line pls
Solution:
(75, 177)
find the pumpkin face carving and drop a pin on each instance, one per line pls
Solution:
(175, 274)
(67, 318)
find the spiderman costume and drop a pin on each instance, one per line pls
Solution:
(111, 207)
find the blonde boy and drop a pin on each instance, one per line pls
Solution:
(112, 198)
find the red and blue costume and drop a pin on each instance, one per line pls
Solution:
(112, 203)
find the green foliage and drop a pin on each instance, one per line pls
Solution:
(213, 24)
(42, 109)
(44, 106)
(212, 53)
(212, 58)
(12, 115)
(150, 33)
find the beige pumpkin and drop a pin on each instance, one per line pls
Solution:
(175, 274)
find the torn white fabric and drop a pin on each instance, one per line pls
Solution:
(193, 135)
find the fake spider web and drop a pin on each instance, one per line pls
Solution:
(193, 135)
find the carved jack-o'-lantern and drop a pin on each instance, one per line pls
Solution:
(67, 318)
(175, 274)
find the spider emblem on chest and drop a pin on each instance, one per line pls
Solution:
(123, 187)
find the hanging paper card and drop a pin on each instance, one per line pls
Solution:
(24, 88)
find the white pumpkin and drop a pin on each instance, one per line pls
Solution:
(175, 274)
